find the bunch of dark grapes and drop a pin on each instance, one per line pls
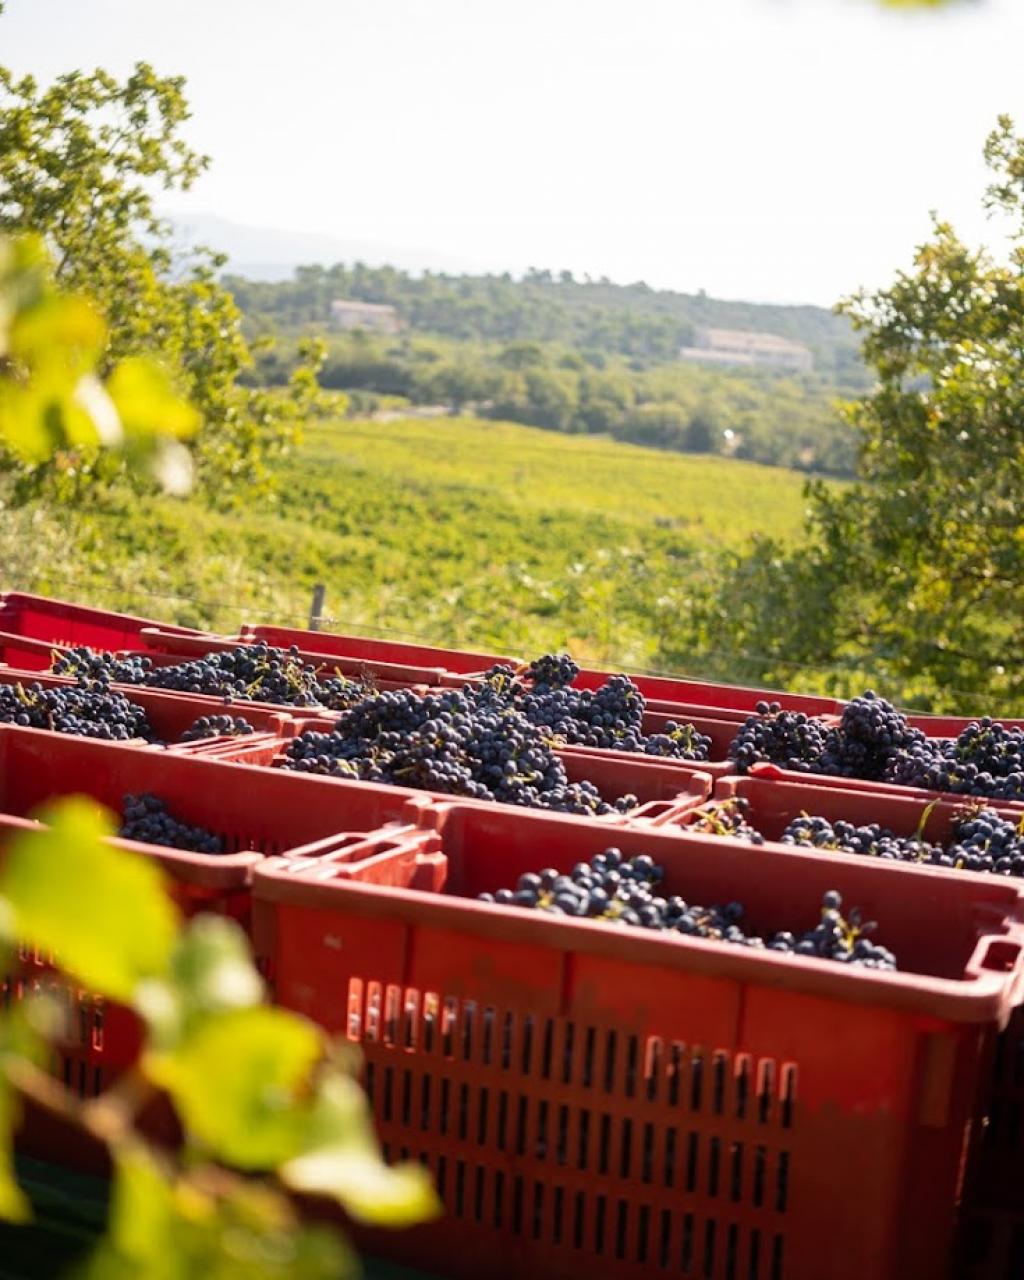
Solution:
(338, 693)
(92, 664)
(217, 727)
(678, 742)
(726, 818)
(256, 672)
(847, 941)
(790, 739)
(146, 818)
(984, 841)
(985, 760)
(623, 891)
(259, 673)
(997, 753)
(870, 735)
(89, 709)
(610, 717)
(875, 742)
(553, 671)
(870, 840)
(980, 839)
(249, 673)
(450, 742)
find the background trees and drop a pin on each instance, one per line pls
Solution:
(915, 573)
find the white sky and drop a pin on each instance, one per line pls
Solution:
(782, 150)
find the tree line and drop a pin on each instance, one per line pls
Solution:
(634, 321)
(760, 416)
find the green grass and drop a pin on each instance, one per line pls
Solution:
(457, 531)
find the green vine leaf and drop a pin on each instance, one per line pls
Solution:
(211, 972)
(238, 1080)
(14, 1206)
(102, 912)
(146, 403)
(164, 1227)
(342, 1161)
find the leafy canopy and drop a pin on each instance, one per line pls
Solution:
(914, 574)
(79, 163)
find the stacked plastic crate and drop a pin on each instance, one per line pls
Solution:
(594, 1100)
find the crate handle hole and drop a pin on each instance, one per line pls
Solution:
(1001, 955)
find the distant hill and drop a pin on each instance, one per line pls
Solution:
(440, 294)
(634, 320)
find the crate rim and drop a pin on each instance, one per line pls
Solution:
(981, 996)
(768, 771)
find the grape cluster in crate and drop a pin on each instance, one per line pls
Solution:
(875, 742)
(624, 891)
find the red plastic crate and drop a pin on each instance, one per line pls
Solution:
(996, 1180)
(664, 788)
(371, 651)
(61, 622)
(690, 702)
(360, 827)
(613, 1103)
(26, 653)
(690, 696)
(256, 812)
(393, 675)
(29, 653)
(773, 802)
(952, 726)
(737, 697)
(170, 714)
(764, 769)
(33, 658)
(720, 731)
(675, 692)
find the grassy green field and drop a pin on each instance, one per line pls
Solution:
(456, 531)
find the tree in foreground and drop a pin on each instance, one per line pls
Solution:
(911, 577)
(79, 162)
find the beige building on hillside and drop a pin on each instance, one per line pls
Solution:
(740, 346)
(375, 316)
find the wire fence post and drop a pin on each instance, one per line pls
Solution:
(316, 609)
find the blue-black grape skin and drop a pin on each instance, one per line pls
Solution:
(875, 742)
(217, 727)
(637, 902)
(458, 742)
(146, 818)
(87, 709)
(494, 740)
(245, 673)
(979, 839)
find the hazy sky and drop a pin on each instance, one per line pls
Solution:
(783, 150)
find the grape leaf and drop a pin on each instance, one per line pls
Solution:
(342, 1160)
(103, 912)
(176, 1228)
(14, 1206)
(146, 403)
(211, 972)
(237, 1082)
